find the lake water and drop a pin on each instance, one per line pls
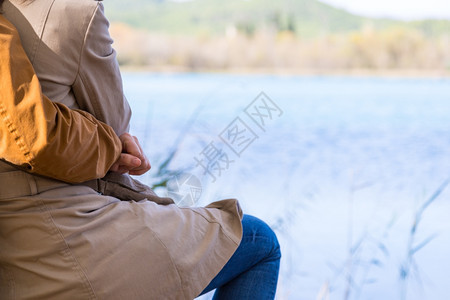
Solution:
(342, 174)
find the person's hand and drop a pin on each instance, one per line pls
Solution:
(132, 160)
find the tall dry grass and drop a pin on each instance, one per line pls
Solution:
(392, 49)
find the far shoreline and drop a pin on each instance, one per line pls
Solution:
(386, 73)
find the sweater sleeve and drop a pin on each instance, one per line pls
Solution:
(44, 137)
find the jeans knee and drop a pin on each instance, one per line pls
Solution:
(256, 226)
(276, 250)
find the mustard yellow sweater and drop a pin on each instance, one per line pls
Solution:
(43, 137)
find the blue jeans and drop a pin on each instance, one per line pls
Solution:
(252, 271)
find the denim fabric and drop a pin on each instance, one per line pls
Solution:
(252, 271)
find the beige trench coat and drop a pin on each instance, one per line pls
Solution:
(80, 72)
(67, 242)
(70, 48)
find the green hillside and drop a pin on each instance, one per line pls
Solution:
(306, 18)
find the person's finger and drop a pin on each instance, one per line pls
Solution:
(125, 163)
(130, 145)
(145, 163)
(136, 141)
(129, 161)
(122, 170)
(143, 168)
(139, 171)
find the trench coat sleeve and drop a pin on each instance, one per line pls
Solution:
(98, 86)
(44, 137)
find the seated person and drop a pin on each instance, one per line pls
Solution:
(63, 241)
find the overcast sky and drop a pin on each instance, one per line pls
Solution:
(400, 9)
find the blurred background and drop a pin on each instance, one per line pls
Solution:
(342, 109)
(281, 36)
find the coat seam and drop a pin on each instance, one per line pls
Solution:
(97, 110)
(221, 227)
(38, 41)
(18, 138)
(10, 281)
(172, 261)
(91, 19)
(81, 273)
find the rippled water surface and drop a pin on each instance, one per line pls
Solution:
(342, 175)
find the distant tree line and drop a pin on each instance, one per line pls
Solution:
(279, 47)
